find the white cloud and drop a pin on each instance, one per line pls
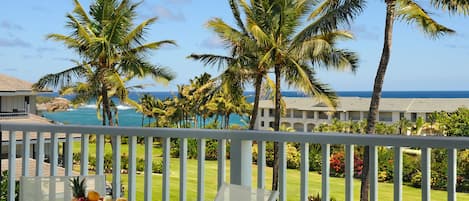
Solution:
(10, 26)
(14, 43)
(165, 13)
(213, 42)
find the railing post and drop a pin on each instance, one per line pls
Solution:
(221, 162)
(166, 168)
(282, 171)
(398, 173)
(116, 167)
(426, 173)
(11, 165)
(304, 166)
(100, 154)
(149, 170)
(132, 173)
(261, 164)
(349, 171)
(373, 174)
(325, 171)
(452, 174)
(241, 162)
(26, 153)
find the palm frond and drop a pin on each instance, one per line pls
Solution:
(411, 13)
(60, 79)
(453, 6)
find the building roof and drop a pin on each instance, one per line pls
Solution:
(386, 104)
(11, 84)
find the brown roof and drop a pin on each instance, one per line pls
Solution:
(11, 84)
(32, 168)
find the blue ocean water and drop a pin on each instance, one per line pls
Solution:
(86, 115)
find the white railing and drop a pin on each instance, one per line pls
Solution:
(13, 115)
(240, 156)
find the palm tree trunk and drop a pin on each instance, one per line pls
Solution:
(257, 95)
(377, 89)
(107, 106)
(276, 127)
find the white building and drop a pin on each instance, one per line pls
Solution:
(303, 114)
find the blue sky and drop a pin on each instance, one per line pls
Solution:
(417, 62)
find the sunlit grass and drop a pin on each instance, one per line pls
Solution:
(337, 185)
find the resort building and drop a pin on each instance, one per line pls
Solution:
(17, 98)
(303, 114)
(18, 105)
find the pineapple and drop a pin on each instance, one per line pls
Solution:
(78, 188)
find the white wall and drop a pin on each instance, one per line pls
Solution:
(11, 102)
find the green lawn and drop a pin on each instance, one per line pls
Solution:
(293, 182)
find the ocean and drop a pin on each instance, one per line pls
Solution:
(86, 115)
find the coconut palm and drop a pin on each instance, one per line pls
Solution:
(410, 12)
(294, 54)
(242, 65)
(112, 45)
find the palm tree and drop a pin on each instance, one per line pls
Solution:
(294, 54)
(242, 65)
(410, 12)
(109, 42)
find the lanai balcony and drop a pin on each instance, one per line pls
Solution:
(240, 165)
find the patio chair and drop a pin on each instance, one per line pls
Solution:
(232, 192)
(56, 188)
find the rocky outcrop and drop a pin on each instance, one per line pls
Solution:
(55, 105)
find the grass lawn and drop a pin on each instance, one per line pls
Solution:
(293, 182)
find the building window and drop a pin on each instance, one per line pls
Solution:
(336, 115)
(354, 116)
(401, 115)
(298, 114)
(271, 124)
(413, 117)
(323, 115)
(310, 127)
(271, 112)
(299, 127)
(288, 115)
(310, 114)
(385, 116)
(262, 124)
(262, 112)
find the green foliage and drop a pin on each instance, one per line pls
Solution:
(455, 123)
(140, 165)
(317, 197)
(211, 149)
(4, 187)
(78, 187)
(315, 157)
(157, 166)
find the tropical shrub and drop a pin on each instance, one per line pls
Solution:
(337, 165)
(293, 157)
(315, 157)
(4, 187)
(317, 197)
(140, 166)
(157, 166)
(124, 161)
(211, 149)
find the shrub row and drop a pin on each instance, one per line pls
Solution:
(157, 165)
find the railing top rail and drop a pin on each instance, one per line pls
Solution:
(319, 138)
